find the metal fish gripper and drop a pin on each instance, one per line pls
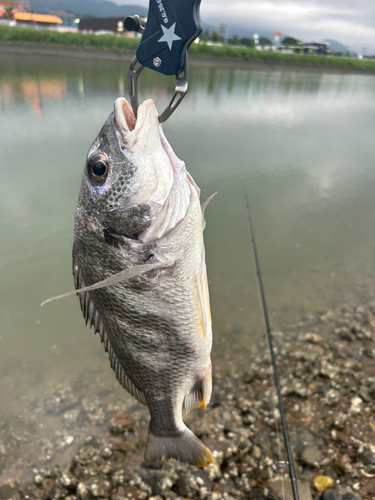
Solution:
(171, 28)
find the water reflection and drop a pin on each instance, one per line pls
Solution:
(31, 90)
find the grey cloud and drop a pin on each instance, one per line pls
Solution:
(350, 22)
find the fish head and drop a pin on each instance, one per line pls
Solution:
(130, 172)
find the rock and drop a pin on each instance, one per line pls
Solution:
(73, 418)
(345, 334)
(159, 480)
(82, 490)
(68, 480)
(363, 393)
(256, 452)
(355, 406)
(38, 479)
(99, 486)
(121, 422)
(369, 352)
(344, 464)
(297, 388)
(331, 495)
(347, 440)
(302, 440)
(7, 492)
(311, 456)
(86, 455)
(313, 338)
(323, 483)
(106, 452)
(61, 400)
(282, 489)
(367, 456)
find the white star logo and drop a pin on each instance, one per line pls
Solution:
(169, 35)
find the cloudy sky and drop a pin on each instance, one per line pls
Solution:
(350, 22)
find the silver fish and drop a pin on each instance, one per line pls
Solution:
(139, 257)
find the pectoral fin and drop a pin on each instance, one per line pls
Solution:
(125, 275)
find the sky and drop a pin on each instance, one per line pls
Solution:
(350, 22)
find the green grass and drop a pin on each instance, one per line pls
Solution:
(246, 54)
(110, 42)
(47, 37)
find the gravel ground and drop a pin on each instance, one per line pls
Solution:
(78, 442)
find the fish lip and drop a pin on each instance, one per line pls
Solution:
(128, 126)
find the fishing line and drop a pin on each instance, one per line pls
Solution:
(290, 463)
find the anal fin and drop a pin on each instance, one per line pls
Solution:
(200, 395)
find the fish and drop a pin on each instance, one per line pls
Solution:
(140, 273)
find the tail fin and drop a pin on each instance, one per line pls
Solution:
(185, 447)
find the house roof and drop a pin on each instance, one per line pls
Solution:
(39, 18)
(15, 5)
(314, 43)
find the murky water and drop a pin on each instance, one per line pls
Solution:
(302, 144)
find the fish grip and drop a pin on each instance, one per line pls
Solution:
(172, 26)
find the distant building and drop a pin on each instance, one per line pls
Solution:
(112, 25)
(315, 48)
(31, 20)
(16, 6)
(305, 48)
(68, 18)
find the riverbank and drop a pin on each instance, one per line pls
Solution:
(37, 50)
(76, 45)
(328, 383)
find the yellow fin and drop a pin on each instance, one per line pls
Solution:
(203, 301)
(208, 459)
(200, 394)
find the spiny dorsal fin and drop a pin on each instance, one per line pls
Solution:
(91, 315)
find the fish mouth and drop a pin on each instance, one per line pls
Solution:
(164, 184)
(131, 129)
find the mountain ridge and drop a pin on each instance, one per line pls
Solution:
(89, 8)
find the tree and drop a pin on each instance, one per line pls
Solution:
(215, 37)
(234, 40)
(205, 36)
(289, 40)
(248, 42)
(8, 13)
(264, 41)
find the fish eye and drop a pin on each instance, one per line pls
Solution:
(97, 167)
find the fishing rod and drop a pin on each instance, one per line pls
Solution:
(290, 463)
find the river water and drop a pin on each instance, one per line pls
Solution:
(300, 143)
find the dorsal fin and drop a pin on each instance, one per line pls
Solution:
(91, 315)
(204, 206)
